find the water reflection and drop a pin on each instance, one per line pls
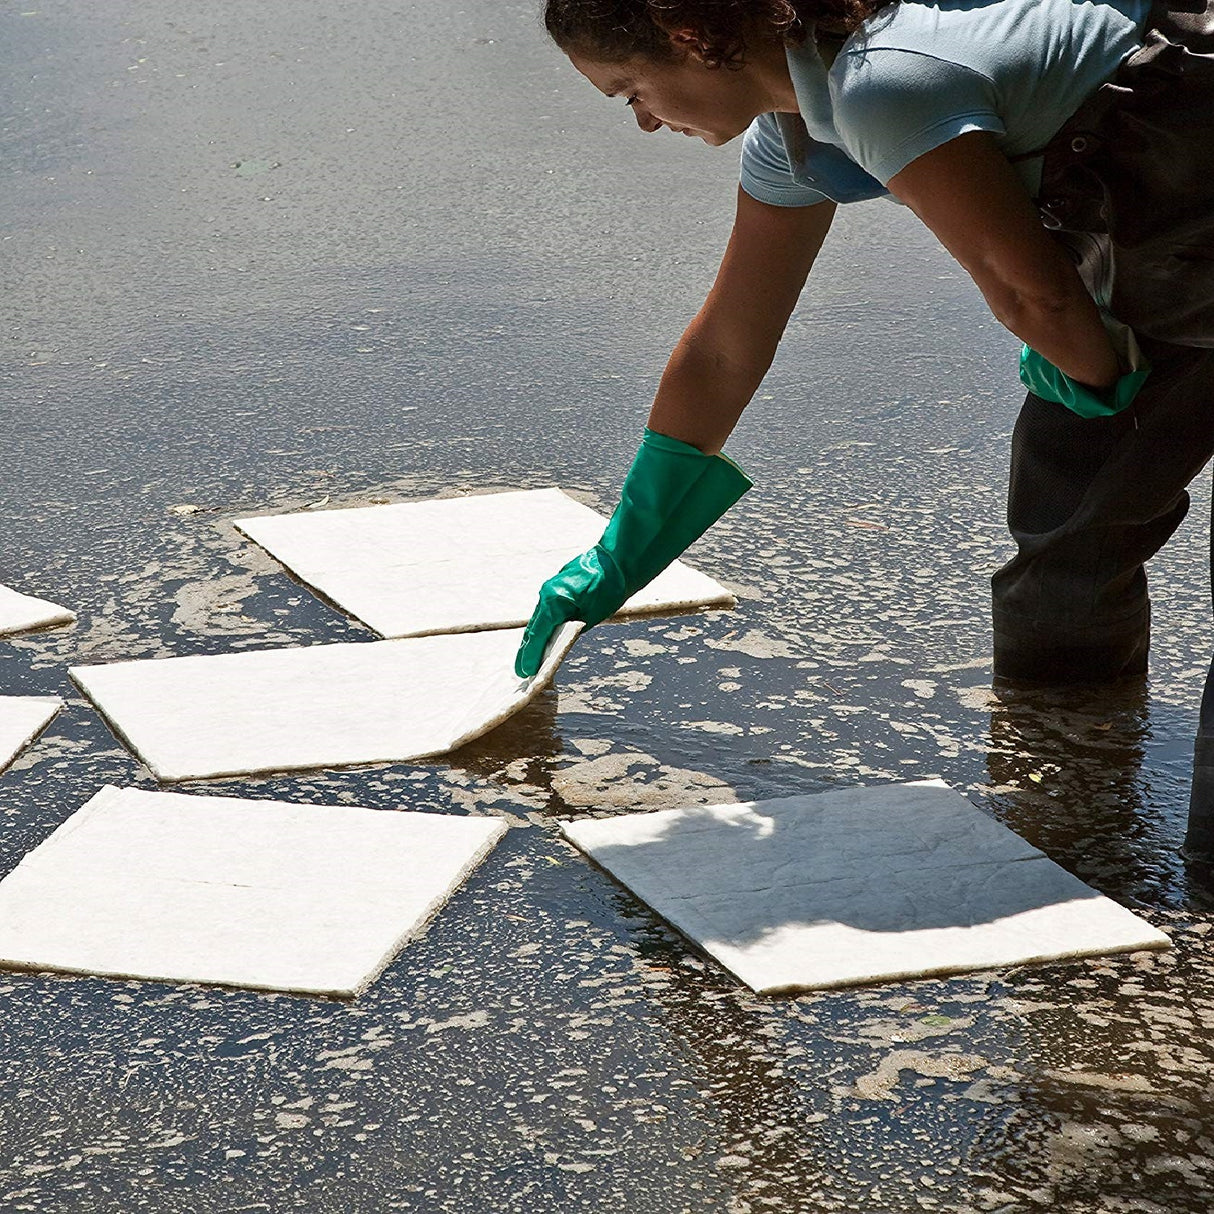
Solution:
(1066, 769)
(736, 1054)
(519, 750)
(1113, 1099)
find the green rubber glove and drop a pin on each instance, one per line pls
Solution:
(672, 494)
(1044, 379)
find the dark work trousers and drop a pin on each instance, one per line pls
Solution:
(1089, 501)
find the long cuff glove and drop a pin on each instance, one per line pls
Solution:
(672, 494)
(1044, 379)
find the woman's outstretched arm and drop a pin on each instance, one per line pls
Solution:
(721, 359)
(973, 200)
(678, 485)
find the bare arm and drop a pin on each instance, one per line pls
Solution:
(972, 199)
(721, 359)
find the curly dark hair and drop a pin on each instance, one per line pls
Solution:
(613, 31)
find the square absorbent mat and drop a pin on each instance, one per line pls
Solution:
(263, 894)
(855, 886)
(319, 706)
(22, 612)
(454, 565)
(22, 719)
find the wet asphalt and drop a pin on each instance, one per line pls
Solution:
(261, 258)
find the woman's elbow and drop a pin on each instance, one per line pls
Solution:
(1019, 306)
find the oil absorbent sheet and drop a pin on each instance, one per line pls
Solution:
(23, 612)
(22, 719)
(457, 564)
(855, 886)
(262, 894)
(319, 706)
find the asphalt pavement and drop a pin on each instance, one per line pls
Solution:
(265, 257)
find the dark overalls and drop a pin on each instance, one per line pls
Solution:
(1128, 184)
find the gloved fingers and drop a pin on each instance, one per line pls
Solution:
(1129, 385)
(1046, 381)
(550, 613)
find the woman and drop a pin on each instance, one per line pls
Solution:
(989, 120)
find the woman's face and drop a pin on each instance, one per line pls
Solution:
(713, 103)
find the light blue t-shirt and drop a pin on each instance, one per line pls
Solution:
(922, 72)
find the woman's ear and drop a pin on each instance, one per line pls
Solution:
(688, 42)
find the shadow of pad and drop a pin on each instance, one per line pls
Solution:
(857, 885)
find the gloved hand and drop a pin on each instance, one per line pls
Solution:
(1044, 379)
(672, 494)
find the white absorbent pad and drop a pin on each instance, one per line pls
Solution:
(263, 894)
(855, 886)
(454, 565)
(23, 718)
(320, 706)
(21, 612)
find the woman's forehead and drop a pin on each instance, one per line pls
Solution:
(609, 78)
(616, 79)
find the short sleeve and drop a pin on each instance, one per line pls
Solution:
(893, 106)
(766, 174)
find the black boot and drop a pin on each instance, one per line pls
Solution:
(1198, 849)
(1199, 842)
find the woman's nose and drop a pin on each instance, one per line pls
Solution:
(645, 120)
